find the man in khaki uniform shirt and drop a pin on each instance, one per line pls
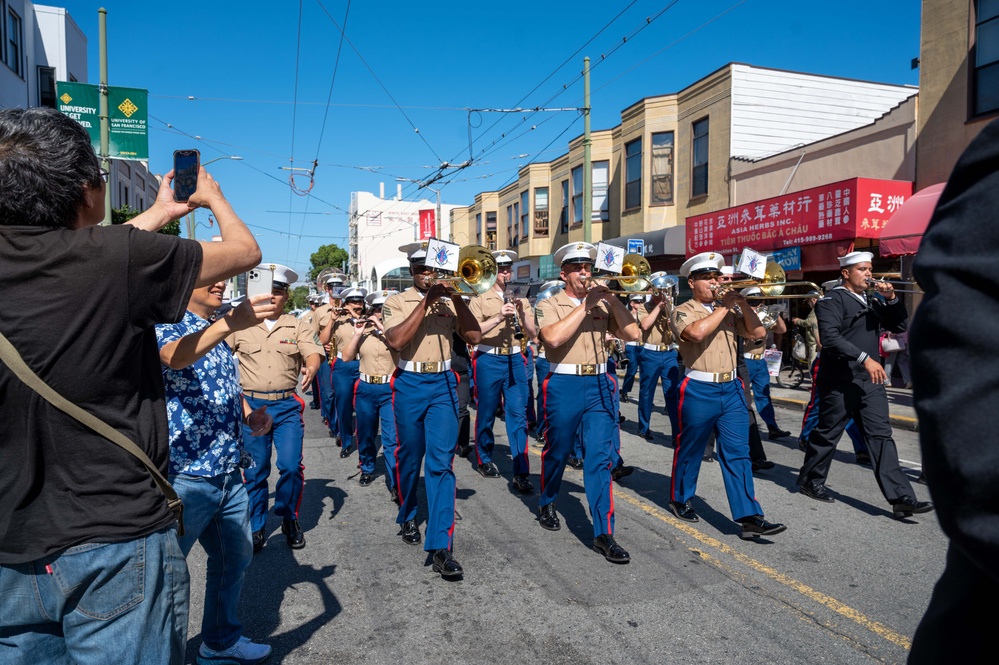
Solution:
(344, 368)
(275, 358)
(580, 397)
(419, 325)
(321, 319)
(712, 400)
(500, 369)
(657, 358)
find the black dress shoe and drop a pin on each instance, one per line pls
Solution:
(548, 518)
(488, 470)
(394, 495)
(446, 565)
(777, 434)
(337, 440)
(293, 534)
(921, 479)
(624, 398)
(366, 479)
(463, 451)
(346, 451)
(802, 444)
(907, 506)
(816, 491)
(647, 435)
(684, 511)
(864, 459)
(708, 458)
(620, 418)
(259, 540)
(522, 484)
(621, 470)
(411, 533)
(755, 526)
(575, 463)
(313, 406)
(606, 545)
(763, 465)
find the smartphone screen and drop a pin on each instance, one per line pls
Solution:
(186, 164)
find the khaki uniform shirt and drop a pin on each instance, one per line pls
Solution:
(270, 360)
(717, 353)
(755, 347)
(343, 332)
(486, 307)
(320, 318)
(660, 333)
(432, 342)
(377, 359)
(586, 346)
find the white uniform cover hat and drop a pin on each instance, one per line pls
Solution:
(379, 297)
(831, 284)
(855, 257)
(283, 275)
(705, 261)
(336, 278)
(354, 292)
(416, 251)
(576, 252)
(504, 256)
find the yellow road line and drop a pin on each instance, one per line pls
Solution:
(802, 588)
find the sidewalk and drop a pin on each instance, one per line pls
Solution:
(900, 409)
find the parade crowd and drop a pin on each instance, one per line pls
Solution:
(92, 551)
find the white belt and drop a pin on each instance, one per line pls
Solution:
(368, 378)
(711, 377)
(751, 356)
(657, 347)
(579, 370)
(425, 368)
(498, 350)
(632, 343)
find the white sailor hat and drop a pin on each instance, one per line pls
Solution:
(728, 270)
(576, 252)
(752, 291)
(831, 284)
(855, 257)
(416, 251)
(283, 275)
(354, 293)
(336, 278)
(379, 297)
(705, 261)
(505, 257)
(640, 297)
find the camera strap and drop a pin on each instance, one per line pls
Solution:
(10, 357)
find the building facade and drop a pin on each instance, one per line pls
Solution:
(672, 157)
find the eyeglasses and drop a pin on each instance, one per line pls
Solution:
(104, 174)
(504, 268)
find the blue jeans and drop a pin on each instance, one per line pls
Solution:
(123, 602)
(217, 514)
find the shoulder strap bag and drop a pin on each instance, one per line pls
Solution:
(10, 357)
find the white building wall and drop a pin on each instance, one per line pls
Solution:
(775, 110)
(379, 227)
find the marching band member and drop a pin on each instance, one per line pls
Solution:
(711, 399)
(579, 397)
(759, 375)
(322, 322)
(344, 371)
(851, 384)
(272, 355)
(372, 393)
(657, 358)
(419, 323)
(500, 368)
(632, 349)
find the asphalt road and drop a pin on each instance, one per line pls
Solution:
(846, 583)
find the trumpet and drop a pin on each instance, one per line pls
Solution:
(476, 274)
(771, 285)
(871, 282)
(635, 273)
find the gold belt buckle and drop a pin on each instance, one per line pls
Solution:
(587, 370)
(427, 368)
(504, 351)
(724, 376)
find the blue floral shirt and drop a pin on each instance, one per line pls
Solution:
(204, 406)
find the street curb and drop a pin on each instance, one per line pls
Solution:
(897, 422)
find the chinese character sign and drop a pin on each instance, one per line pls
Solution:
(428, 225)
(856, 208)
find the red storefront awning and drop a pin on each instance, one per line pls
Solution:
(903, 231)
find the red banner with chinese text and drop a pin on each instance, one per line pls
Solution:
(855, 208)
(428, 225)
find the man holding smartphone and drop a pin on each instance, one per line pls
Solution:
(87, 511)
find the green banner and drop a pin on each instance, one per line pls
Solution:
(128, 117)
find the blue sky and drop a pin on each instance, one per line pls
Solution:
(247, 62)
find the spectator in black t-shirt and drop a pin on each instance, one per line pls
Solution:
(90, 567)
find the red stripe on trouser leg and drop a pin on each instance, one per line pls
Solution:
(544, 406)
(679, 435)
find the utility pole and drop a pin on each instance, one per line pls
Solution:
(102, 15)
(587, 164)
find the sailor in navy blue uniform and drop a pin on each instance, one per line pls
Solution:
(851, 383)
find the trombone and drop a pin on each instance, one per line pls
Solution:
(476, 272)
(636, 273)
(771, 285)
